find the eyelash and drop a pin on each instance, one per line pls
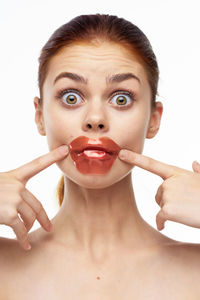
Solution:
(61, 92)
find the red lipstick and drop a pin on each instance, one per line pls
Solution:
(93, 156)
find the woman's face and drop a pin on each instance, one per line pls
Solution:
(125, 118)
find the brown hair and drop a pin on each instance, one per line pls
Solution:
(97, 28)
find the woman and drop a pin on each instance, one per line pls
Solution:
(98, 80)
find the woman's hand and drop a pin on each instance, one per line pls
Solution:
(179, 194)
(15, 198)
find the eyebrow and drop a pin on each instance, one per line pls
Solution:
(109, 79)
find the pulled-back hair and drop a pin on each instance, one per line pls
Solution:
(96, 28)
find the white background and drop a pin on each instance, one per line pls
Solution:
(173, 29)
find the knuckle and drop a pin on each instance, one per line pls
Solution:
(39, 208)
(23, 237)
(19, 187)
(157, 198)
(168, 210)
(17, 201)
(164, 185)
(7, 216)
(21, 234)
(13, 176)
(13, 218)
(166, 196)
(13, 205)
(32, 215)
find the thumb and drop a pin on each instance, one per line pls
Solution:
(196, 166)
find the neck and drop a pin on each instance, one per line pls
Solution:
(101, 220)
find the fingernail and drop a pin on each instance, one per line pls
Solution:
(28, 247)
(123, 154)
(64, 149)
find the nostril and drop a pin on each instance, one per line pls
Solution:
(90, 126)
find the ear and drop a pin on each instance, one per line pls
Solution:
(154, 123)
(39, 120)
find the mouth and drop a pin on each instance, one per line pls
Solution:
(101, 145)
(93, 149)
(93, 156)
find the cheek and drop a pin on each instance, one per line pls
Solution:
(133, 134)
(58, 129)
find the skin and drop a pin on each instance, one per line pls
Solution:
(100, 247)
(99, 212)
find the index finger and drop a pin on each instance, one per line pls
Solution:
(25, 172)
(152, 165)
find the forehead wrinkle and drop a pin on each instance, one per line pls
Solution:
(82, 57)
(97, 53)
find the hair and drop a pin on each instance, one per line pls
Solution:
(95, 28)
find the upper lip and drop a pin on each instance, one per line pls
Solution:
(96, 147)
(104, 143)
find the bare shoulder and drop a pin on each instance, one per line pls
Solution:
(12, 255)
(183, 261)
(189, 253)
(6, 247)
(6, 260)
(13, 259)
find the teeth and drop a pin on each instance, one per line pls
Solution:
(94, 153)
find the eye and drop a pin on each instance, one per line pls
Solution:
(69, 97)
(122, 98)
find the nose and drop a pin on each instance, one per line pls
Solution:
(92, 125)
(95, 125)
(96, 121)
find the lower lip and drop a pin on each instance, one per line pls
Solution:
(93, 161)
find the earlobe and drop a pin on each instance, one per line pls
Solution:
(41, 129)
(152, 131)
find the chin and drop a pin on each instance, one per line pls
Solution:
(94, 181)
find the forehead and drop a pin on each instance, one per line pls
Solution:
(95, 61)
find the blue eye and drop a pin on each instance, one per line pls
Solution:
(70, 99)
